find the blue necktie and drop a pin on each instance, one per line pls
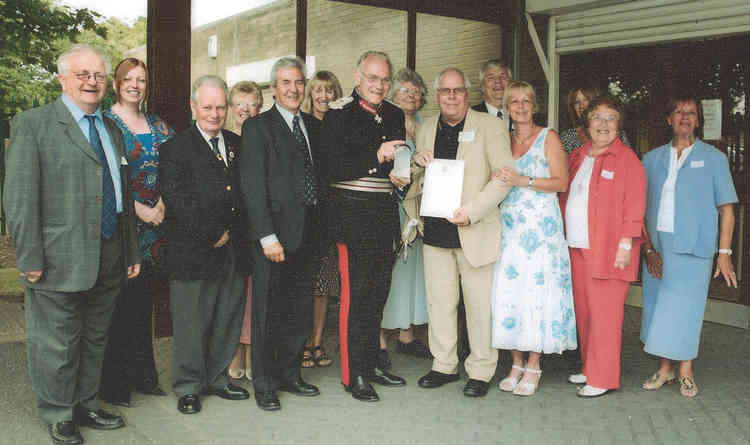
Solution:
(109, 202)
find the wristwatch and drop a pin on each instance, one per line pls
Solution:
(531, 181)
(725, 251)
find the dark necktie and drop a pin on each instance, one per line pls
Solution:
(109, 202)
(310, 190)
(215, 147)
(500, 114)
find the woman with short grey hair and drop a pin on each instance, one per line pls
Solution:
(406, 305)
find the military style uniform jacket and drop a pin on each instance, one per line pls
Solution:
(350, 139)
(203, 200)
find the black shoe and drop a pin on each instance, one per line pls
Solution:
(415, 348)
(267, 400)
(434, 379)
(189, 404)
(65, 433)
(384, 378)
(99, 419)
(229, 392)
(300, 388)
(383, 360)
(362, 390)
(476, 388)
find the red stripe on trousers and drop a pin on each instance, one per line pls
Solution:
(344, 300)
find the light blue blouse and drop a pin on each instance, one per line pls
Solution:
(704, 183)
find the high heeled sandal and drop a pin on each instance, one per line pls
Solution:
(321, 358)
(526, 389)
(307, 358)
(657, 380)
(509, 383)
(688, 388)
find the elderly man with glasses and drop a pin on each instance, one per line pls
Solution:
(461, 249)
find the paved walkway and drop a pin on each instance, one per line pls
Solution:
(411, 415)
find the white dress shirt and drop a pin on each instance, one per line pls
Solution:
(665, 217)
(577, 209)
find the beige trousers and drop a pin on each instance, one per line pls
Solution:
(442, 270)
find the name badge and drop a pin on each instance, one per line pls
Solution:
(606, 174)
(466, 136)
(123, 161)
(696, 164)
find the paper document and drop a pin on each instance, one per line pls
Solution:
(443, 184)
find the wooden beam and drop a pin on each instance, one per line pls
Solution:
(302, 29)
(411, 38)
(168, 58)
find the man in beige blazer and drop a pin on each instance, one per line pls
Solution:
(466, 246)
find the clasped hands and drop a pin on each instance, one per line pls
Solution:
(152, 215)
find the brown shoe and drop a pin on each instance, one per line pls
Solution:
(657, 380)
(688, 388)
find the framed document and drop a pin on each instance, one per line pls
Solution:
(443, 184)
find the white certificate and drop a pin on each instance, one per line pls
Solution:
(443, 184)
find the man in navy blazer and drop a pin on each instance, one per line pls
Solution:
(281, 191)
(205, 228)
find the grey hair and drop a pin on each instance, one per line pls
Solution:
(405, 75)
(63, 60)
(379, 54)
(493, 63)
(210, 80)
(287, 62)
(436, 84)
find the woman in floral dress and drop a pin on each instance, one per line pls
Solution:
(532, 299)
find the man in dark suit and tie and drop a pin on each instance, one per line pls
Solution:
(72, 219)
(281, 190)
(494, 77)
(205, 228)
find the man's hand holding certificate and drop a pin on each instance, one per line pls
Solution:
(443, 184)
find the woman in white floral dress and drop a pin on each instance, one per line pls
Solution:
(532, 299)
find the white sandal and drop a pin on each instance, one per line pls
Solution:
(528, 389)
(509, 383)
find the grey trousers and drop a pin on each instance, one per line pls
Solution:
(66, 338)
(206, 323)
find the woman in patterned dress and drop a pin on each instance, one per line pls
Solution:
(532, 300)
(129, 358)
(324, 87)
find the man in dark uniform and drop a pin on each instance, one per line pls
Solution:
(359, 137)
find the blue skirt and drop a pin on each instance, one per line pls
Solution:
(673, 307)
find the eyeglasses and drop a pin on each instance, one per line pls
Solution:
(460, 91)
(410, 91)
(686, 113)
(245, 105)
(607, 118)
(371, 78)
(84, 76)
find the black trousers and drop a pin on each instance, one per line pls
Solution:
(282, 309)
(129, 357)
(366, 269)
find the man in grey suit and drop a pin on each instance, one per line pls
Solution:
(72, 219)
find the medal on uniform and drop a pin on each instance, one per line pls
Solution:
(372, 110)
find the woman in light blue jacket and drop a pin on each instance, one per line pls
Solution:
(689, 202)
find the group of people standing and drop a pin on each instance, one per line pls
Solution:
(257, 218)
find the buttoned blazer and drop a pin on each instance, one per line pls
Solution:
(703, 184)
(202, 198)
(489, 151)
(53, 199)
(272, 172)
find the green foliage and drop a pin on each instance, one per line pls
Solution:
(32, 35)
